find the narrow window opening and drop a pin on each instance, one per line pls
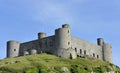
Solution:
(93, 55)
(85, 52)
(75, 49)
(80, 51)
(98, 56)
(71, 56)
(68, 43)
(68, 31)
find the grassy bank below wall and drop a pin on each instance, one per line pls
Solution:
(44, 63)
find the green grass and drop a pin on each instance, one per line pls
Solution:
(44, 63)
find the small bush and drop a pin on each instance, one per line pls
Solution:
(42, 69)
(57, 68)
(97, 70)
(88, 69)
(100, 69)
(77, 69)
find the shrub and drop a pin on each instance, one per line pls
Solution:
(7, 70)
(57, 69)
(99, 69)
(77, 69)
(88, 69)
(42, 69)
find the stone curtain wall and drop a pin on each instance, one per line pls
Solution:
(86, 48)
(27, 46)
(42, 45)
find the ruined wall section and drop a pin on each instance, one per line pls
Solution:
(84, 48)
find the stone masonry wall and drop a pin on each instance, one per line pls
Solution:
(41, 45)
(87, 48)
(48, 45)
(27, 46)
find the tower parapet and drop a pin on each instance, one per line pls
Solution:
(65, 26)
(41, 35)
(13, 49)
(100, 41)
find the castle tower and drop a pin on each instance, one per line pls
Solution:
(41, 35)
(107, 53)
(63, 41)
(100, 41)
(13, 49)
(106, 50)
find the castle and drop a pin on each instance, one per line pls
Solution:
(62, 44)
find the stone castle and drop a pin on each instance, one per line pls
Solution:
(62, 44)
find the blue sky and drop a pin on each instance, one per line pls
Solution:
(89, 19)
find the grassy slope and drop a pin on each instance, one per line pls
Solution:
(44, 63)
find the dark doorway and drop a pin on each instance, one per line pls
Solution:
(71, 56)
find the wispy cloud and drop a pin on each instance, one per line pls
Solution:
(51, 12)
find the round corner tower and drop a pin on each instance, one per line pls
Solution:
(106, 50)
(13, 49)
(63, 40)
(107, 53)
